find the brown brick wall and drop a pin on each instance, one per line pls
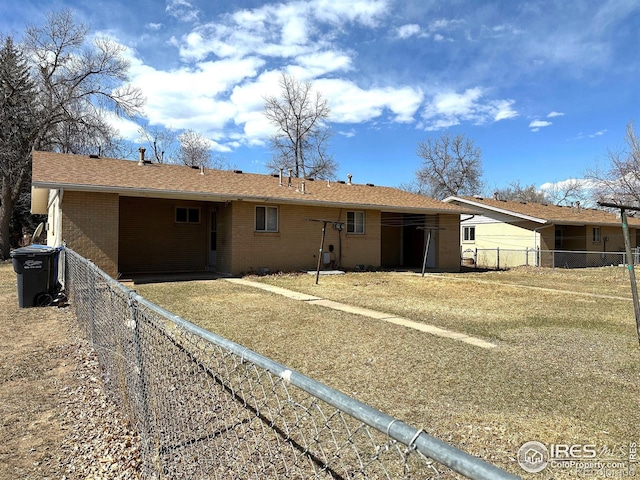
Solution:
(152, 241)
(448, 255)
(90, 227)
(296, 245)
(129, 235)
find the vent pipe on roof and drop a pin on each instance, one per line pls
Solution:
(302, 187)
(280, 177)
(141, 159)
(201, 169)
(349, 177)
(290, 175)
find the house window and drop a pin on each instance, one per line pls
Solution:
(187, 215)
(266, 219)
(469, 234)
(596, 235)
(355, 222)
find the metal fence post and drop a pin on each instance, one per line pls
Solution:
(498, 258)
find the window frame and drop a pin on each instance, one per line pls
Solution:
(471, 229)
(596, 235)
(352, 225)
(187, 212)
(266, 228)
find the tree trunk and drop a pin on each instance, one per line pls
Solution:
(6, 209)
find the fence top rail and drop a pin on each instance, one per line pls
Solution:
(448, 455)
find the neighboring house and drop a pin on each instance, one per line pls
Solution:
(517, 227)
(141, 217)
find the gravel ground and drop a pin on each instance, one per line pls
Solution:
(55, 420)
(98, 443)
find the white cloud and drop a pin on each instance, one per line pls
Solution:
(408, 30)
(444, 24)
(278, 29)
(349, 133)
(154, 26)
(182, 10)
(599, 133)
(365, 12)
(192, 97)
(555, 114)
(504, 110)
(539, 124)
(317, 64)
(351, 104)
(451, 108)
(126, 128)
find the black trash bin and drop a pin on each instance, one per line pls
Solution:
(37, 270)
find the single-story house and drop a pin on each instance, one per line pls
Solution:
(133, 217)
(516, 227)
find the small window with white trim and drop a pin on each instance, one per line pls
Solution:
(187, 215)
(266, 219)
(355, 222)
(469, 234)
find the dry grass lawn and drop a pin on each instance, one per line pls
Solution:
(566, 368)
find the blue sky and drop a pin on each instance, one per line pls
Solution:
(543, 88)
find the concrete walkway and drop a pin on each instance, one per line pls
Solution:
(386, 317)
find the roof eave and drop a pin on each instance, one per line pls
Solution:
(223, 197)
(482, 206)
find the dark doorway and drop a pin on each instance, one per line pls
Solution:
(413, 241)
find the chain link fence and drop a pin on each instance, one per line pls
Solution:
(498, 258)
(208, 408)
(501, 259)
(571, 259)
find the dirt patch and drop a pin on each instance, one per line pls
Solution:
(55, 421)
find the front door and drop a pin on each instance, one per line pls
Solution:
(213, 238)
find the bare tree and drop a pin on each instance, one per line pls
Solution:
(450, 166)
(75, 84)
(161, 143)
(569, 192)
(195, 149)
(78, 84)
(560, 193)
(220, 162)
(302, 138)
(620, 180)
(521, 193)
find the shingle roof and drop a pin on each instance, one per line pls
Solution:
(544, 213)
(126, 177)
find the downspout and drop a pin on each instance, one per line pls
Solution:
(535, 240)
(340, 241)
(58, 217)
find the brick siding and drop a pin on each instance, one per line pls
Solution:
(90, 227)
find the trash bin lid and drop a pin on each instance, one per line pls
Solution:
(34, 249)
